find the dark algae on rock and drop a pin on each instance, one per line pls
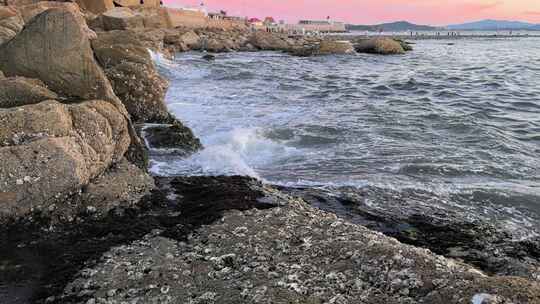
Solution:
(38, 259)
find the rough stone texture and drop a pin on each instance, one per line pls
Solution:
(11, 23)
(471, 234)
(268, 41)
(134, 77)
(324, 47)
(290, 254)
(20, 91)
(122, 185)
(152, 17)
(51, 150)
(121, 18)
(174, 139)
(335, 47)
(96, 6)
(383, 46)
(57, 51)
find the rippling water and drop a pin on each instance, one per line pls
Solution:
(458, 120)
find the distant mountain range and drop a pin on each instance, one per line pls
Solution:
(490, 25)
(483, 25)
(399, 26)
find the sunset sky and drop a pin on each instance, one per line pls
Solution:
(434, 12)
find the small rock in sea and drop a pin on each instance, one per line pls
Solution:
(209, 57)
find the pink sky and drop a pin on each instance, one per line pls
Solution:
(435, 12)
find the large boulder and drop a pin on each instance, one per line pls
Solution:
(336, 47)
(382, 46)
(268, 41)
(183, 41)
(325, 47)
(134, 77)
(19, 91)
(55, 48)
(11, 23)
(51, 150)
(95, 6)
(29, 11)
(121, 18)
(153, 17)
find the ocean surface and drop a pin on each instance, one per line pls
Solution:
(460, 121)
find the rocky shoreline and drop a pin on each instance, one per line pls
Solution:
(81, 102)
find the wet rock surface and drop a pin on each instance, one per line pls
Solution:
(40, 256)
(133, 75)
(174, 138)
(420, 219)
(288, 254)
(229, 240)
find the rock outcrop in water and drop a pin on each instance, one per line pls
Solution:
(383, 46)
(83, 222)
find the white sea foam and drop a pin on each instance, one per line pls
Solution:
(236, 152)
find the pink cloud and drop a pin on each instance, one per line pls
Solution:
(437, 12)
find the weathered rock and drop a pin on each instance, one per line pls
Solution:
(335, 47)
(122, 185)
(2, 75)
(268, 41)
(324, 47)
(175, 137)
(191, 40)
(121, 18)
(95, 6)
(51, 150)
(447, 230)
(30, 11)
(11, 23)
(20, 91)
(290, 254)
(134, 77)
(55, 48)
(382, 46)
(407, 47)
(152, 17)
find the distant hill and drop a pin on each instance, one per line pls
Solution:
(491, 25)
(400, 26)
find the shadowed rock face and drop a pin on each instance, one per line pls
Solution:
(42, 262)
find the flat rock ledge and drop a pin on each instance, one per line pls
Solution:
(290, 253)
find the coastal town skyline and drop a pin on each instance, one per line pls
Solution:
(430, 12)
